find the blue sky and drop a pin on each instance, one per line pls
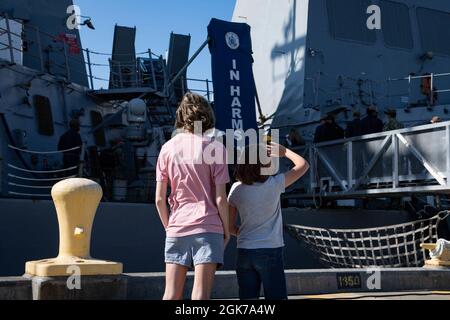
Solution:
(154, 20)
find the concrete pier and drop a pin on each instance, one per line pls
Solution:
(301, 284)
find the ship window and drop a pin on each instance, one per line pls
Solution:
(99, 134)
(349, 21)
(396, 25)
(44, 115)
(434, 28)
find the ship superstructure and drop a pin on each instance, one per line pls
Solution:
(318, 57)
(47, 79)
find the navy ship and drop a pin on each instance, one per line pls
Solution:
(311, 58)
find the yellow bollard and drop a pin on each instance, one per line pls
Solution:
(76, 202)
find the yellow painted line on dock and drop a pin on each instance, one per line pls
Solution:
(379, 295)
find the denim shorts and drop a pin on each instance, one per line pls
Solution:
(256, 267)
(190, 251)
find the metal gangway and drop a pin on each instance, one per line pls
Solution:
(397, 163)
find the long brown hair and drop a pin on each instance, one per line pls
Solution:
(247, 171)
(194, 108)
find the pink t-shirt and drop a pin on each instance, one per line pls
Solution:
(193, 165)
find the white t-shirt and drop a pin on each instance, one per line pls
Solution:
(259, 209)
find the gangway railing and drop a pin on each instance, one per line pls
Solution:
(37, 179)
(390, 164)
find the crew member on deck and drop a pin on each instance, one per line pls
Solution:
(354, 127)
(328, 130)
(70, 140)
(371, 123)
(392, 123)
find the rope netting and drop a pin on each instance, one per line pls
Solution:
(396, 246)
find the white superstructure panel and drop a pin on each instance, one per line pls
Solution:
(279, 44)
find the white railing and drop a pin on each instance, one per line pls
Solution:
(413, 87)
(37, 182)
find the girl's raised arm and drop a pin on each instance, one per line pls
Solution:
(301, 166)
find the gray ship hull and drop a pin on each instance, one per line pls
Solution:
(132, 234)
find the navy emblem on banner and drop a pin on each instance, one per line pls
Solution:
(232, 40)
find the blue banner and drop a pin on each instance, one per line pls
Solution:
(232, 73)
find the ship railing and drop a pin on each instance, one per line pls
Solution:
(134, 73)
(99, 68)
(414, 160)
(437, 83)
(28, 180)
(46, 55)
(408, 92)
(203, 87)
(124, 177)
(83, 67)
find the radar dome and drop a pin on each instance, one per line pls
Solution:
(137, 110)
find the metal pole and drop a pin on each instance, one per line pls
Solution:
(81, 168)
(183, 89)
(41, 58)
(152, 67)
(395, 162)
(67, 62)
(10, 45)
(112, 78)
(409, 90)
(447, 129)
(120, 75)
(262, 118)
(188, 63)
(166, 80)
(350, 164)
(88, 56)
(136, 75)
(64, 99)
(312, 171)
(207, 90)
(432, 90)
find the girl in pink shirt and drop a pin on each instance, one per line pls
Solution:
(195, 168)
